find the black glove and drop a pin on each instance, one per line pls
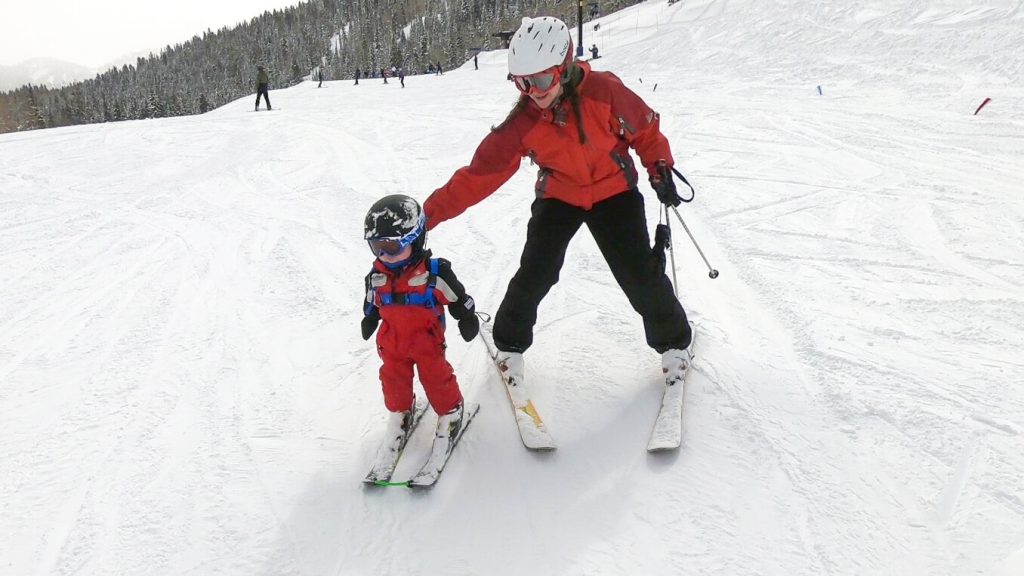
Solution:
(664, 186)
(369, 325)
(469, 326)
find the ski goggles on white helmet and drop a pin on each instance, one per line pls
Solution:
(392, 246)
(540, 82)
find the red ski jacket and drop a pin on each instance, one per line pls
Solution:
(614, 119)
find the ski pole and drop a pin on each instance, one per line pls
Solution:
(712, 273)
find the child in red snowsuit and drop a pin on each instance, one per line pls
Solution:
(408, 290)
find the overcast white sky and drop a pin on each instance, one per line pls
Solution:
(94, 32)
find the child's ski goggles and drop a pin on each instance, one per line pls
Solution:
(540, 82)
(389, 246)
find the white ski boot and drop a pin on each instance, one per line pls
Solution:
(399, 426)
(396, 434)
(448, 425)
(513, 371)
(512, 367)
(675, 363)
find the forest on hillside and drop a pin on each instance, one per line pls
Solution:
(335, 36)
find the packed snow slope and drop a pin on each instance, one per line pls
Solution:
(184, 390)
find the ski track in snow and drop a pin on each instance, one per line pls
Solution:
(185, 390)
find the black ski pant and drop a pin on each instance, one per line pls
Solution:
(262, 91)
(619, 226)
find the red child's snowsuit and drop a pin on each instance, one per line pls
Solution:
(411, 304)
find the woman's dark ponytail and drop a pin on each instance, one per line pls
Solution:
(574, 75)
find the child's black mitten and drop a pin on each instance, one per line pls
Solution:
(369, 325)
(469, 326)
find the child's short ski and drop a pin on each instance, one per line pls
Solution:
(532, 430)
(441, 450)
(668, 427)
(391, 450)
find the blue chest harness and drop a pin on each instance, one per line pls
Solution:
(425, 299)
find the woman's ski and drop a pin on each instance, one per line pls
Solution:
(668, 426)
(531, 427)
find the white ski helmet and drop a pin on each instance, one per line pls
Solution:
(539, 44)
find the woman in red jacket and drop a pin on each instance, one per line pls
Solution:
(577, 125)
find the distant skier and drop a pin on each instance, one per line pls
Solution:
(408, 290)
(593, 52)
(587, 176)
(358, 73)
(320, 76)
(475, 65)
(401, 76)
(384, 74)
(262, 83)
